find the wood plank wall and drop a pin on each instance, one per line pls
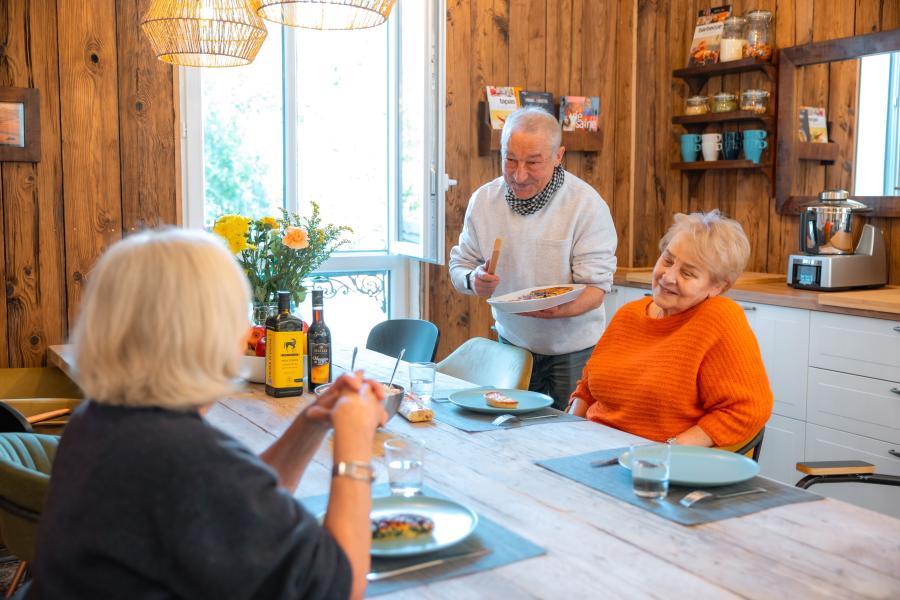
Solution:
(625, 51)
(108, 164)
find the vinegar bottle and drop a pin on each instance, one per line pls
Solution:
(285, 346)
(319, 340)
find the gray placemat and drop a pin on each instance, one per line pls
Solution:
(615, 480)
(505, 547)
(473, 422)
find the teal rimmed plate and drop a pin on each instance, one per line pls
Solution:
(704, 467)
(474, 400)
(453, 523)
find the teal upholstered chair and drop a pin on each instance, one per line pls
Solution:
(418, 337)
(485, 362)
(25, 461)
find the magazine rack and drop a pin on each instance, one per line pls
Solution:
(574, 141)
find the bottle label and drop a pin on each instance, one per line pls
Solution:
(319, 363)
(284, 358)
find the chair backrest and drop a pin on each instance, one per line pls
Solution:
(25, 463)
(485, 362)
(420, 338)
(750, 448)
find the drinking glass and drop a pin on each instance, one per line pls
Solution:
(405, 459)
(421, 380)
(650, 470)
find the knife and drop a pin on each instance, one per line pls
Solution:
(425, 565)
(605, 463)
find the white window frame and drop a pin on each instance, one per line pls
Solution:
(401, 258)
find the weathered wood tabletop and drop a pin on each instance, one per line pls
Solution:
(597, 546)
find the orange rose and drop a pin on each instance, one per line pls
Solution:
(296, 238)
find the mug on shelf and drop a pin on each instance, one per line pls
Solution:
(690, 146)
(711, 143)
(731, 145)
(754, 143)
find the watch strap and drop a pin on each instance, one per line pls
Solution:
(354, 469)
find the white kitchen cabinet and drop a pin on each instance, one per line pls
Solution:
(858, 345)
(823, 443)
(860, 405)
(783, 447)
(783, 338)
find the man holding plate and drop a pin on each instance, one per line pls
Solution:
(556, 230)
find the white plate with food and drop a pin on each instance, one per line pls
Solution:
(537, 298)
(500, 401)
(409, 526)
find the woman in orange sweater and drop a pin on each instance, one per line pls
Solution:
(684, 365)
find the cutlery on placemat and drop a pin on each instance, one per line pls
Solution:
(425, 565)
(511, 419)
(698, 495)
(605, 463)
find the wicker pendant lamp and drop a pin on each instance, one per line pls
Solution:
(204, 33)
(326, 14)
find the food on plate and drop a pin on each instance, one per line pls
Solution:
(547, 292)
(400, 526)
(498, 400)
(414, 410)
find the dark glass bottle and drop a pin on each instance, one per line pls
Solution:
(285, 347)
(319, 339)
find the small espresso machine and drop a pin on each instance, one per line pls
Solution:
(839, 251)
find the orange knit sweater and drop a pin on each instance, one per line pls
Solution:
(658, 377)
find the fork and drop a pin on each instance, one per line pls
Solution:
(511, 419)
(700, 495)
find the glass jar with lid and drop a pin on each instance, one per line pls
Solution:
(696, 105)
(734, 39)
(759, 35)
(724, 102)
(755, 100)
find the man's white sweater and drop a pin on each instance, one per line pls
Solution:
(571, 240)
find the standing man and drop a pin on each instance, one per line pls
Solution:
(556, 229)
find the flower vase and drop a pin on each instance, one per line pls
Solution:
(260, 311)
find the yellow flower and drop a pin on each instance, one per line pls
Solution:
(296, 238)
(270, 221)
(234, 229)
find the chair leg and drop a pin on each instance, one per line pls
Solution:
(17, 577)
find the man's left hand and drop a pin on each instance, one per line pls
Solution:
(589, 299)
(563, 310)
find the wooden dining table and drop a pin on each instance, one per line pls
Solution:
(596, 545)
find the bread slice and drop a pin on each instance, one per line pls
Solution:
(498, 400)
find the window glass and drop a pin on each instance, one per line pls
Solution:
(242, 136)
(413, 93)
(354, 303)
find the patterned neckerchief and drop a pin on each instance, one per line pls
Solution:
(529, 206)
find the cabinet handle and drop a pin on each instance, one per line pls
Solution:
(614, 290)
(748, 307)
(647, 294)
(895, 390)
(893, 452)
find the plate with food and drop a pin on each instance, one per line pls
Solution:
(537, 298)
(404, 526)
(500, 401)
(704, 467)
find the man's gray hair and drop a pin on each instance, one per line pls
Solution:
(532, 119)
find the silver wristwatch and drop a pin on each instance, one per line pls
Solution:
(354, 470)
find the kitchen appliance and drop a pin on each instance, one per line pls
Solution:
(840, 252)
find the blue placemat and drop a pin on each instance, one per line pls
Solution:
(505, 547)
(615, 480)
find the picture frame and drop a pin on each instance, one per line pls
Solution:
(20, 125)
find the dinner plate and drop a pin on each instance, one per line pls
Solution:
(704, 467)
(512, 302)
(474, 400)
(453, 523)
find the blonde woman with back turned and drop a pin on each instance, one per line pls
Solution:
(148, 500)
(684, 365)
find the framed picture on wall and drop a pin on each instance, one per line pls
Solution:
(20, 125)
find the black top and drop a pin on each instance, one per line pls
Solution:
(151, 503)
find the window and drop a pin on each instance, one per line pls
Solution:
(877, 164)
(352, 120)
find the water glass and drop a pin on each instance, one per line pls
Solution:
(421, 380)
(650, 470)
(405, 459)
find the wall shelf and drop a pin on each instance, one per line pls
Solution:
(825, 153)
(718, 165)
(574, 141)
(696, 77)
(697, 123)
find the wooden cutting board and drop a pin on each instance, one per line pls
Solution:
(746, 277)
(885, 299)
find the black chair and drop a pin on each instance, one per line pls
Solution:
(842, 471)
(420, 338)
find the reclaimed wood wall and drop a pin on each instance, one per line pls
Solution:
(108, 163)
(624, 51)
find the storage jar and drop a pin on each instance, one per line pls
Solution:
(755, 100)
(696, 105)
(734, 39)
(759, 35)
(724, 102)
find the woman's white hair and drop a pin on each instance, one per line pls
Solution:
(532, 119)
(162, 321)
(719, 243)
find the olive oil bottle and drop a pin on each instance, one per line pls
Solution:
(285, 347)
(319, 339)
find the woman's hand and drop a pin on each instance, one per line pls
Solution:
(320, 410)
(360, 411)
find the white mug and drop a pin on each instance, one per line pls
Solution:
(710, 144)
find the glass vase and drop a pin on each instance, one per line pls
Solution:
(260, 311)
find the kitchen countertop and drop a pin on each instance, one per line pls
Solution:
(779, 293)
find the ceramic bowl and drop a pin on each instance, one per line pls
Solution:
(253, 368)
(391, 401)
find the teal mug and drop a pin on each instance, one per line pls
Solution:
(754, 144)
(690, 146)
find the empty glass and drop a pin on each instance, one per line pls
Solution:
(650, 470)
(421, 380)
(405, 458)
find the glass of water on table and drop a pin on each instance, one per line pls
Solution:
(421, 380)
(650, 470)
(405, 458)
